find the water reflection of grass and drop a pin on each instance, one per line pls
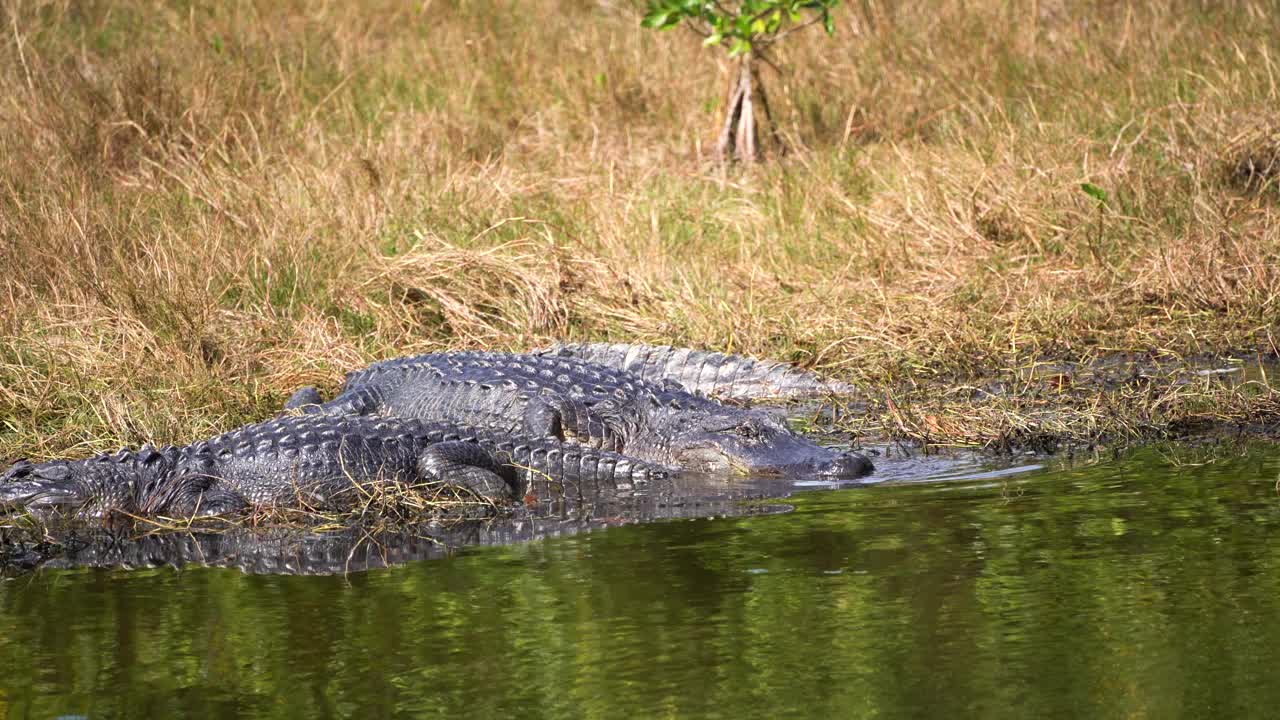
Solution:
(200, 211)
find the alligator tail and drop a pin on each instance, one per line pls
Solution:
(708, 373)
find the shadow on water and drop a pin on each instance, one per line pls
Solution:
(1140, 586)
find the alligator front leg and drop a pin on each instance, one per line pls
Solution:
(191, 495)
(553, 415)
(470, 466)
(211, 502)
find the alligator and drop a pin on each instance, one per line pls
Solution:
(311, 462)
(713, 374)
(570, 399)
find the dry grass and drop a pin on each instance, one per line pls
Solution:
(205, 205)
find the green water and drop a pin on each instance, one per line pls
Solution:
(1141, 587)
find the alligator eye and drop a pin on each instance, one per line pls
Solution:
(747, 431)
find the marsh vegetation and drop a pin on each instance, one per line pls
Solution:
(204, 206)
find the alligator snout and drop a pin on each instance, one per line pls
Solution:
(33, 486)
(13, 485)
(19, 493)
(845, 465)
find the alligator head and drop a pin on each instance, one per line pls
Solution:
(751, 442)
(35, 486)
(84, 487)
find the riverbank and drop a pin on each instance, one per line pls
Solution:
(202, 210)
(1079, 406)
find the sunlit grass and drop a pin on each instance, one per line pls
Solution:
(204, 206)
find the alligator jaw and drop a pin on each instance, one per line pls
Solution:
(38, 494)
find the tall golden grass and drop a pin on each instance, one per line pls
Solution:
(204, 205)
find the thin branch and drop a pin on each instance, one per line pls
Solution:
(759, 54)
(697, 30)
(812, 21)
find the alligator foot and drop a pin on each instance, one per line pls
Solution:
(557, 416)
(214, 502)
(466, 465)
(306, 396)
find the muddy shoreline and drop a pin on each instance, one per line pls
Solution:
(1051, 407)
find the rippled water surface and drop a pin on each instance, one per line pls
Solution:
(1147, 586)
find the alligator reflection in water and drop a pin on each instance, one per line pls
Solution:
(352, 550)
(286, 551)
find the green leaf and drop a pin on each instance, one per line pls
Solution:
(774, 22)
(737, 24)
(655, 19)
(1094, 192)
